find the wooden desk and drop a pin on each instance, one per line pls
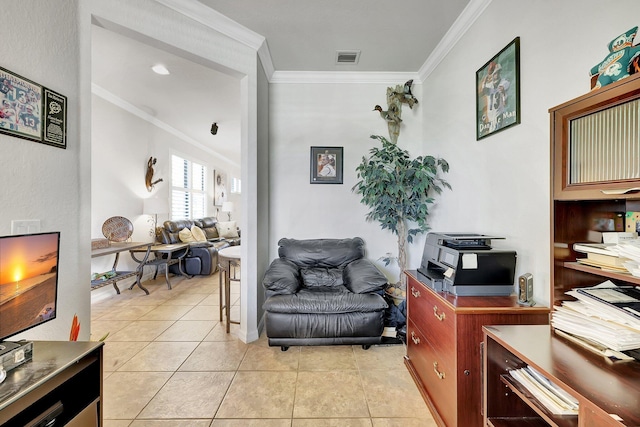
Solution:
(116, 248)
(174, 253)
(602, 387)
(227, 257)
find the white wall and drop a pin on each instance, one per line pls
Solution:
(500, 184)
(43, 182)
(306, 115)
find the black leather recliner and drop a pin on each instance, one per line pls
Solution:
(201, 258)
(322, 292)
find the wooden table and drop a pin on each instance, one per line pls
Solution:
(227, 258)
(174, 252)
(116, 248)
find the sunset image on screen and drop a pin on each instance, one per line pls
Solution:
(28, 278)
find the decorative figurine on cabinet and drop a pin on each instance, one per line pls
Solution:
(621, 62)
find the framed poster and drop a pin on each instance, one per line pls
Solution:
(54, 131)
(219, 188)
(498, 91)
(326, 165)
(21, 106)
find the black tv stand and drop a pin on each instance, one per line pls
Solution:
(63, 381)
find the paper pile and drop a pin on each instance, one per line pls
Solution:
(604, 317)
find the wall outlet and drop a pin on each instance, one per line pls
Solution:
(25, 226)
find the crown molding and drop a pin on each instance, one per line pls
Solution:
(213, 19)
(132, 109)
(461, 25)
(323, 77)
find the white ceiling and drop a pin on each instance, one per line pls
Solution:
(301, 35)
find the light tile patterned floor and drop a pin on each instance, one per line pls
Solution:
(169, 363)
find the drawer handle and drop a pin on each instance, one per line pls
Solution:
(438, 373)
(415, 292)
(416, 340)
(440, 317)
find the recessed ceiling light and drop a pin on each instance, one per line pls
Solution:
(160, 69)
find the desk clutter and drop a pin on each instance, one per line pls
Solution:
(604, 318)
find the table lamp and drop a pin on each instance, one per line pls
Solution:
(154, 206)
(228, 208)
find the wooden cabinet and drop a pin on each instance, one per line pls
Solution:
(608, 393)
(595, 159)
(444, 335)
(62, 385)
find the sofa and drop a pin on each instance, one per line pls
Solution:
(323, 292)
(202, 255)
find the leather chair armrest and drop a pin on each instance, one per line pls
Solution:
(282, 277)
(361, 277)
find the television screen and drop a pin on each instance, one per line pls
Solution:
(28, 281)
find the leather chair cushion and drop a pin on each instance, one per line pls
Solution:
(282, 277)
(332, 253)
(326, 277)
(361, 276)
(335, 300)
(211, 232)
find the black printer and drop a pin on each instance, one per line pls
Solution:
(465, 264)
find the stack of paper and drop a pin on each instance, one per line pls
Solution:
(605, 314)
(602, 255)
(630, 249)
(556, 400)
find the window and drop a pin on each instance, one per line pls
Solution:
(188, 192)
(236, 185)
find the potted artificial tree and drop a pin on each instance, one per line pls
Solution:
(396, 188)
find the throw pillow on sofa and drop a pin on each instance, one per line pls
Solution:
(186, 236)
(227, 230)
(198, 234)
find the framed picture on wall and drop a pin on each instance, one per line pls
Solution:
(326, 165)
(498, 91)
(21, 106)
(219, 188)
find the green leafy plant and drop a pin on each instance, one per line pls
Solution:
(397, 189)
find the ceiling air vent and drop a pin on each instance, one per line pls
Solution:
(347, 57)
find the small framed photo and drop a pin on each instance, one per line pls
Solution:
(21, 106)
(498, 91)
(326, 165)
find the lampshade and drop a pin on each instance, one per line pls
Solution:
(155, 205)
(227, 207)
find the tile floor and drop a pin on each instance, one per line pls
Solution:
(169, 363)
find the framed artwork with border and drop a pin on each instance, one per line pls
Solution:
(498, 91)
(219, 187)
(54, 131)
(21, 106)
(326, 165)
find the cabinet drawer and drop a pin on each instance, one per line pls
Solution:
(435, 373)
(434, 318)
